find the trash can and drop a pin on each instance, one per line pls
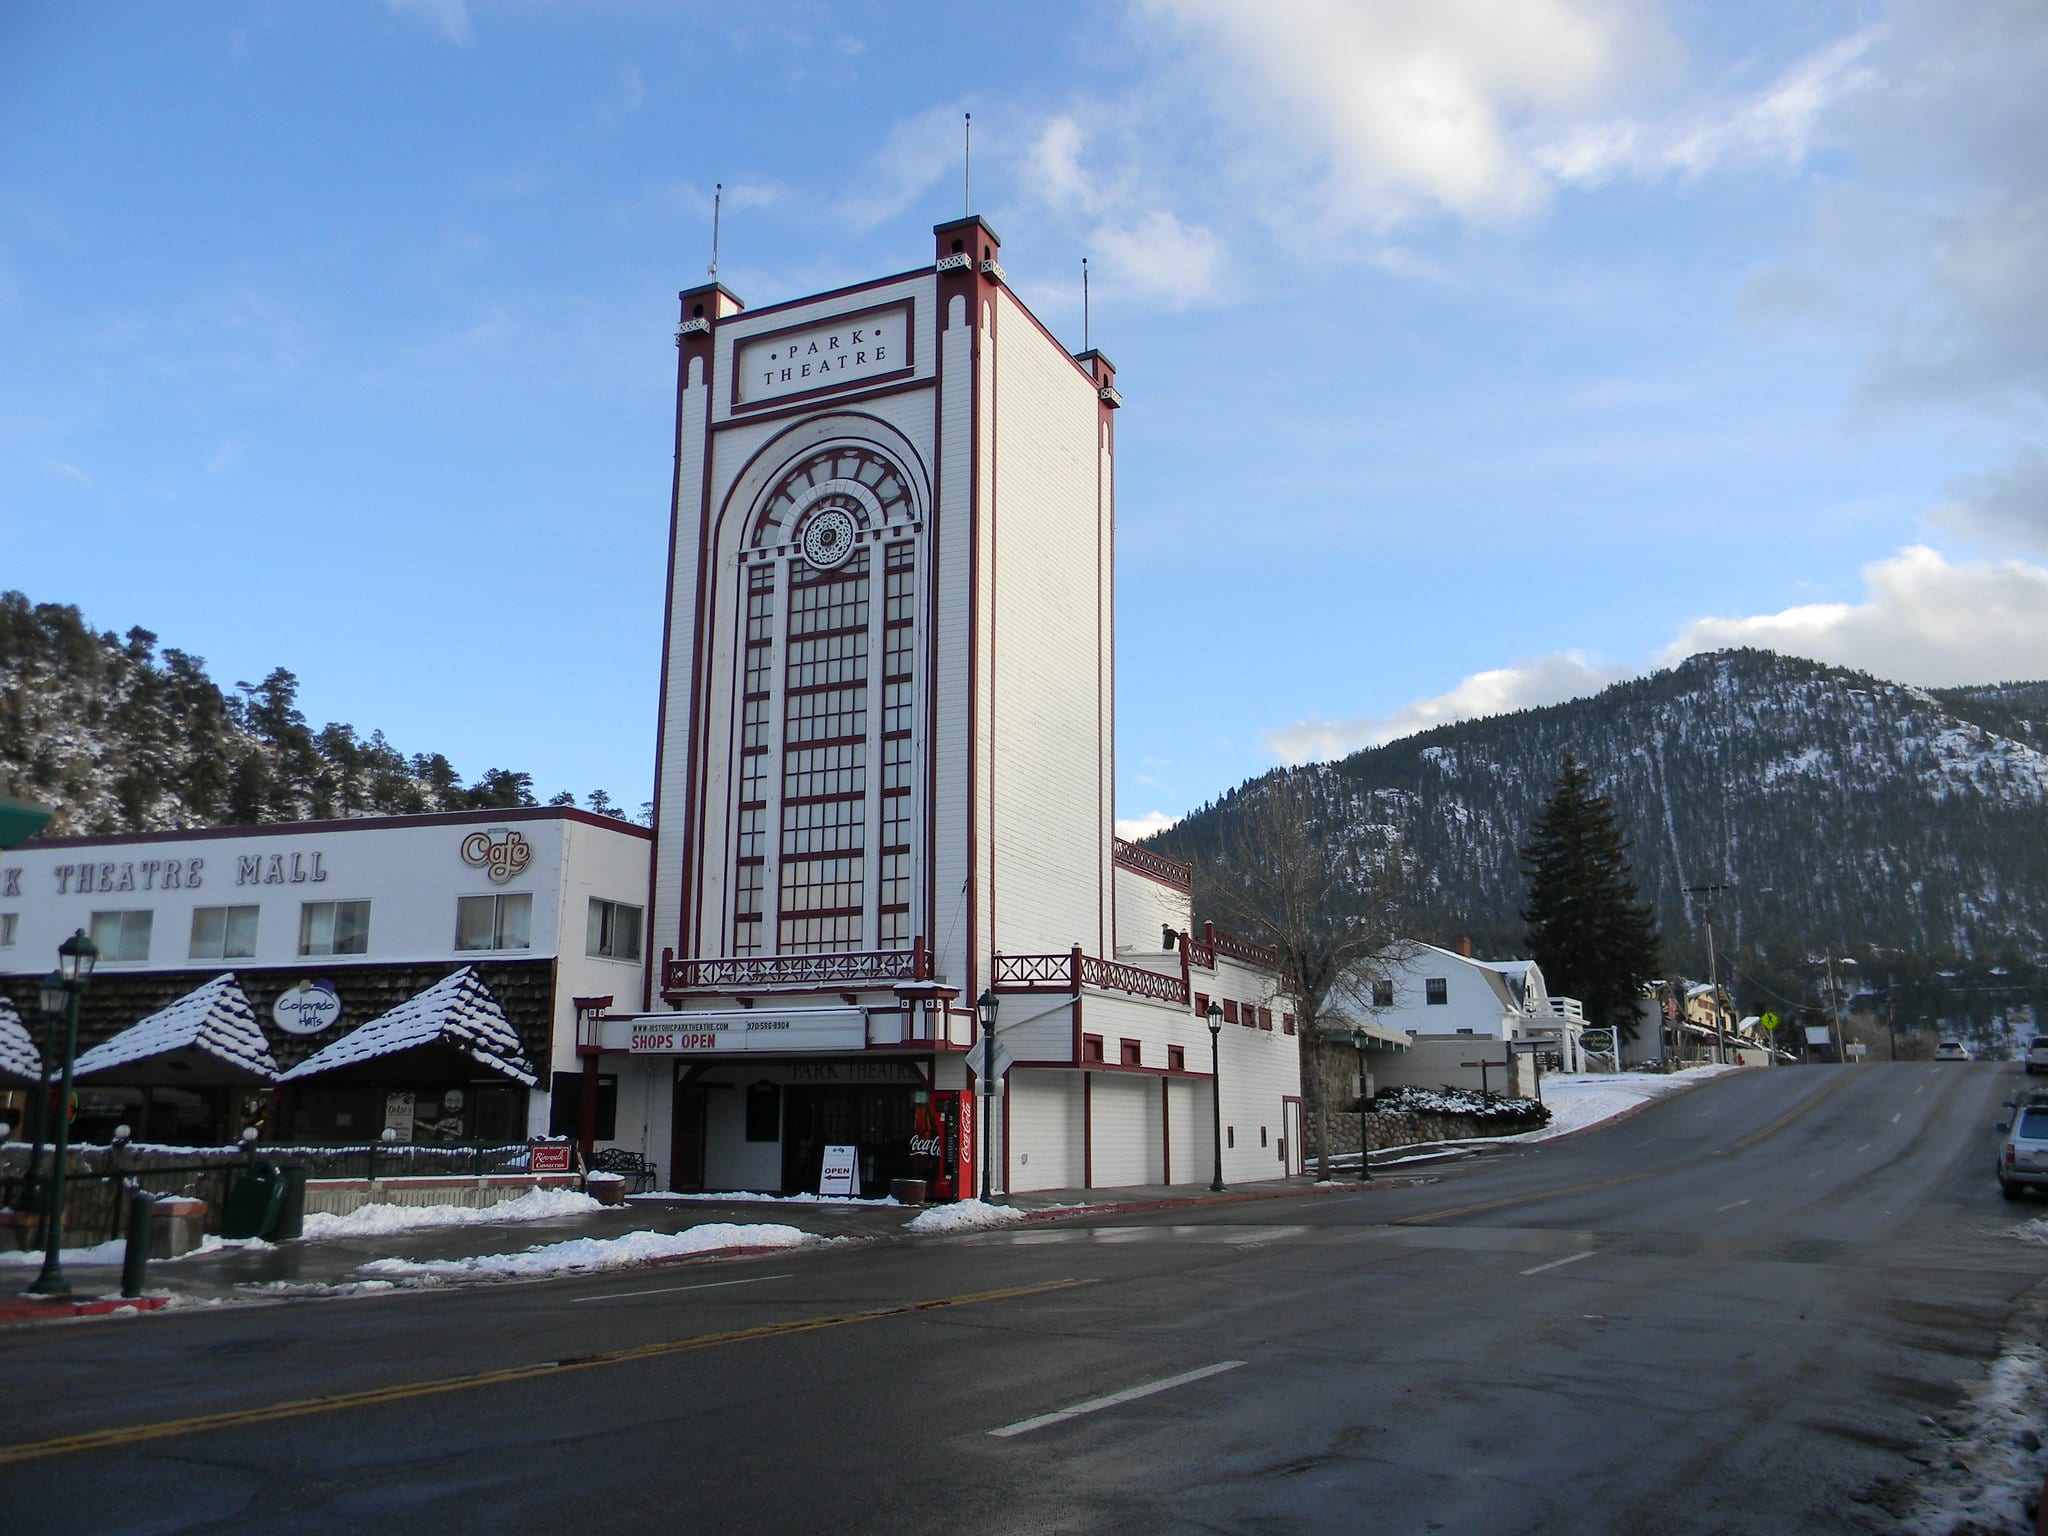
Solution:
(291, 1215)
(907, 1191)
(253, 1204)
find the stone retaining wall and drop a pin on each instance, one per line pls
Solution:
(337, 1197)
(1393, 1130)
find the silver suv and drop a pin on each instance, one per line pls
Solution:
(2023, 1155)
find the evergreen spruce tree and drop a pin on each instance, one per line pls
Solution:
(1587, 929)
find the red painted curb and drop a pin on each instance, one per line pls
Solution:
(24, 1309)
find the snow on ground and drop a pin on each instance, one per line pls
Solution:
(1577, 1100)
(965, 1216)
(377, 1220)
(1996, 1461)
(2035, 1231)
(109, 1252)
(589, 1253)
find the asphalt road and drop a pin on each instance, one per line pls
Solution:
(1728, 1313)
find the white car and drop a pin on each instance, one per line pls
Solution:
(1951, 1050)
(2037, 1055)
(2023, 1155)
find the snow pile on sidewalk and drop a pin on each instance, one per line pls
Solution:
(965, 1216)
(2035, 1231)
(109, 1252)
(380, 1220)
(591, 1253)
(1996, 1460)
(1578, 1100)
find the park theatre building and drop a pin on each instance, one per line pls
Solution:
(884, 784)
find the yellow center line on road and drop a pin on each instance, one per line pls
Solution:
(133, 1434)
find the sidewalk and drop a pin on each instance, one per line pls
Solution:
(333, 1266)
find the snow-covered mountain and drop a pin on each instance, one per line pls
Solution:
(1847, 814)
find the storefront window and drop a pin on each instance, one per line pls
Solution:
(614, 930)
(334, 928)
(223, 933)
(122, 935)
(494, 922)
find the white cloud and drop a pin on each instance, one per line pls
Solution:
(449, 17)
(1544, 680)
(227, 457)
(1398, 105)
(1133, 829)
(1174, 264)
(1777, 124)
(1922, 619)
(917, 152)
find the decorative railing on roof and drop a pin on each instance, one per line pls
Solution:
(1144, 861)
(1073, 971)
(1203, 951)
(762, 973)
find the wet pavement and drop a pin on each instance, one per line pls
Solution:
(311, 1267)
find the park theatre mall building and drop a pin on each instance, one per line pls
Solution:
(885, 774)
(334, 979)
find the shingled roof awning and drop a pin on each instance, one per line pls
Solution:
(209, 1037)
(455, 1022)
(19, 1058)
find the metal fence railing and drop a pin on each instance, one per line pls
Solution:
(96, 1176)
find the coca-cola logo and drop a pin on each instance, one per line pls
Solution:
(924, 1146)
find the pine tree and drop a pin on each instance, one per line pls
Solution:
(1587, 929)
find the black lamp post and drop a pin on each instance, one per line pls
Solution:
(76, 957)
(1358, 1039)
(985, 1005)
(1215, 1017)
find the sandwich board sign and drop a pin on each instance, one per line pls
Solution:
(841, 1172)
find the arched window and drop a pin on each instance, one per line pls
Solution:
(825, 728)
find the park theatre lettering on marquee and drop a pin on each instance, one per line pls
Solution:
(854, 349)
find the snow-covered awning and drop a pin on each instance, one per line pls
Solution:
(1379, 1037)
(19, 1057)
(457, 1012)
(208, 1036)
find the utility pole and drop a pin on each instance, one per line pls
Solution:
(1891, 1034)
(1835, 1011)
(1713, 975)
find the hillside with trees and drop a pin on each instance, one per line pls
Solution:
(117, 735)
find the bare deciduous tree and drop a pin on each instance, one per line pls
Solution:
(1328, 899)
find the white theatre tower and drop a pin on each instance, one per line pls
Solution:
(885, 766)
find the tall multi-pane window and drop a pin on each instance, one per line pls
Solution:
(899, 600)
(756, 688)
(824, 759)
(824, 718)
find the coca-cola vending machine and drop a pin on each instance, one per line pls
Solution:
(942, 1144)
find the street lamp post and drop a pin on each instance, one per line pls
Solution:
(1358, 1039)
(76, 957)
(985, 1006)
(1215, 1018)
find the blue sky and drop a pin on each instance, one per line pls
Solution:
(1474, 354)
